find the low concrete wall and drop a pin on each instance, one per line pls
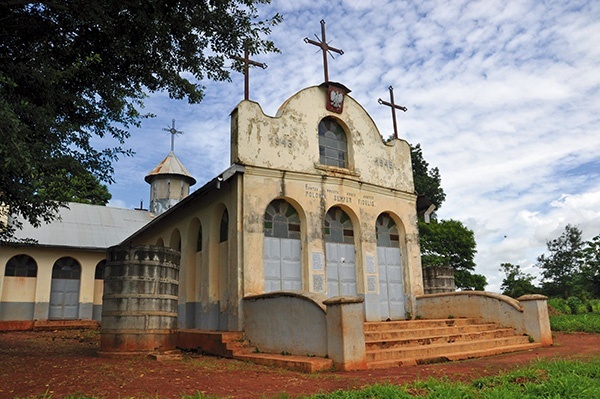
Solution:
(305, 323)
(527, 315)
(286, 321)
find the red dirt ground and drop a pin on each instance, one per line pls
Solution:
(66, 362)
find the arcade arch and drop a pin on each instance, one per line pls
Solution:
(389, 260)
(282, 247)
(64, 291)
(340, 253)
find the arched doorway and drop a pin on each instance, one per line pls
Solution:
(64, 291)
(282, 247)
(391, 286)
(339, 253)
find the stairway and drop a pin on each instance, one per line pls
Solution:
(410, 342)
(232, 345)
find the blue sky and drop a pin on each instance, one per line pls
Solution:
(503, 96)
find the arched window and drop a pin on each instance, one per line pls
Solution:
(333, 144)
(386, 231)
(338, 226)
(99, 274)
(21, 266)
(282, 220)
(224, 230)
(66, 268)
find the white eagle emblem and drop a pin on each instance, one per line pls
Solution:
(337, 98)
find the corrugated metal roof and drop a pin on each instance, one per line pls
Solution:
(171, 165)
(87, 226)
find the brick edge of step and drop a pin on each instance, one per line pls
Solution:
(303, 364)
(380, 364)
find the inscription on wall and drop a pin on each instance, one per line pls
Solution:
(384, 163)
(284, 141)
(371, 271)
(312, 191)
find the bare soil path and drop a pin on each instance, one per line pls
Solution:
(66, 362)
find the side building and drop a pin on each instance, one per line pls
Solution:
(57, 274)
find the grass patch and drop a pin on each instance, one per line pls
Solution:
(545, 379)
(586, 322)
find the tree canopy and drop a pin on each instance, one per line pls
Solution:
(571, 268)
(73, 72)
(72, 183)
(428, 182)
(450, 243)
(563, 264)
(516, 283)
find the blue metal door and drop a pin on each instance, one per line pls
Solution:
(283, 264)
(64, 290)
(341, 269)
(390, 283)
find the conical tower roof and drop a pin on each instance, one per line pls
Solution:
(171, 165)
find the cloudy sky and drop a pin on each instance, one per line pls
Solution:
(503, 96)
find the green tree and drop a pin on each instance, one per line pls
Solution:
(516, 282)
(72, 183)
(428, 182)
(590, 273)
(450, 243)
(561, 268)
(75, 71)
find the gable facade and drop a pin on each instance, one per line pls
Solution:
(314, 201)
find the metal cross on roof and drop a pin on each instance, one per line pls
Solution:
(325, 48)
(392, 105)
(247, 62)
(173, 132)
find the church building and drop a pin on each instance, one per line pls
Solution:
(314, 201)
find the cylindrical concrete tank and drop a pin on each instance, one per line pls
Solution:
(438, 279)
(139, 305)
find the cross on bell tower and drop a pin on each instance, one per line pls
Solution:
(173, 133)
(393, 106)
(247, 62)
(325, 48)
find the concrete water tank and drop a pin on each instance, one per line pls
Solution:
(139, 305)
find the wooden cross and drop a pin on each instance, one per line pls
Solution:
(247, 62)
(392, 105)
(173, 132)
(325, 48)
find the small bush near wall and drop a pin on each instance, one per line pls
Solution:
(587, 322)
(574, 305)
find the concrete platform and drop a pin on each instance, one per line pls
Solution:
(303, 364)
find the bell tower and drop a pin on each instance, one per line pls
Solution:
(169, 181)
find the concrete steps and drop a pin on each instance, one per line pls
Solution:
(217, 343)
(397, 343)
(232, 345)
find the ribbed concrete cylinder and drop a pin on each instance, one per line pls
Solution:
(139, 305)
(438, 279)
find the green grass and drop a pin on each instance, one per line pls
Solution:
(554, 379)
(586, 322)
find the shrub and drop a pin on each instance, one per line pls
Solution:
(560, 305)
(576, 305)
